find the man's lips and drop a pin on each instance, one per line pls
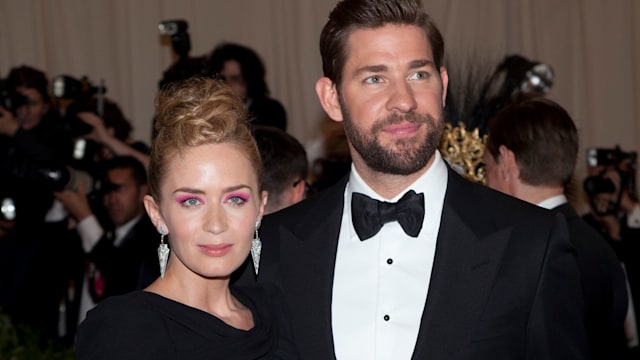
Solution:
(404, 128)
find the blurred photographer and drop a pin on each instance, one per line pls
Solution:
(33, 155)
(111, 133)
(611, 191)
(615, 213)
(242, 69)
(31, 131)
(97, 125)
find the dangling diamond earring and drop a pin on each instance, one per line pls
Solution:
(163, 251)
(256, 248)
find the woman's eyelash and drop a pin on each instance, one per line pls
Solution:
(189, 201)
(238, 198)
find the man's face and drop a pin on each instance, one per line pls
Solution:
(392, 98)
(30, 114)
(124, 201)
(231, 73)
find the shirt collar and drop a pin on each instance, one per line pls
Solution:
(553, 202)
(123, 230)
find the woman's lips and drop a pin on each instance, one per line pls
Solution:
(215, 250)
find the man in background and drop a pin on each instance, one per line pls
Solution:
(530, 153)
(285, 167)
(118, 239)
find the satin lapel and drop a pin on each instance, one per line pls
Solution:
(307, 264)
(464, 271)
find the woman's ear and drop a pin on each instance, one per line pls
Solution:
(154, 213)
(265, 197)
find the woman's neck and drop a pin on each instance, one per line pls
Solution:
(209, 295)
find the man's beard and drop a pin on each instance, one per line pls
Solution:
(404, 157)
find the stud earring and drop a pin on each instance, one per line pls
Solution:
(256, 249)
(163, 251)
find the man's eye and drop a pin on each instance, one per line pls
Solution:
(419, 75)
(373, 79)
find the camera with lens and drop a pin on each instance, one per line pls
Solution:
(606, 157)
(177, 30)
(185, 66)
(74, 92)
(76, 96)
(9, 98)
(624, 163)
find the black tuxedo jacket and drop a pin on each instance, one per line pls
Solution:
(131, 266)
(603, 285)
(504, 285)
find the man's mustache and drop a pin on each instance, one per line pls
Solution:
(395, 119)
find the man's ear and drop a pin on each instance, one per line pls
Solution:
(508, 164)
(299, 191)
(444, 77)
(328, 96)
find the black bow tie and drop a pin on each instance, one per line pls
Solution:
(369, 215)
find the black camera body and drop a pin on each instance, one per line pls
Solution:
(607, 157)
(76, 91)
(624, 163)
(185, 66)
(9, 98)
(177, 30)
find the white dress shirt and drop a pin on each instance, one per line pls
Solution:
(380, 284)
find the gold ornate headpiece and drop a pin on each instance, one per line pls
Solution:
(463, 149)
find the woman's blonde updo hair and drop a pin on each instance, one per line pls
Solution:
(194, 112)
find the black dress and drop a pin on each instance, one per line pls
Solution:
(145, 325)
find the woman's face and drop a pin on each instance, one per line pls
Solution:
(210, 203)
(231, 73)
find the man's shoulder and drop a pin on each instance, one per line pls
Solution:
(141, 235)
(586, 238)
(576, 223)
(475, 200)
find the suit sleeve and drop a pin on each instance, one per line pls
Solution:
(556, 327)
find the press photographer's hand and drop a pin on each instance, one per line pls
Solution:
(75, 201)
(8, 123)
(99, 132)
